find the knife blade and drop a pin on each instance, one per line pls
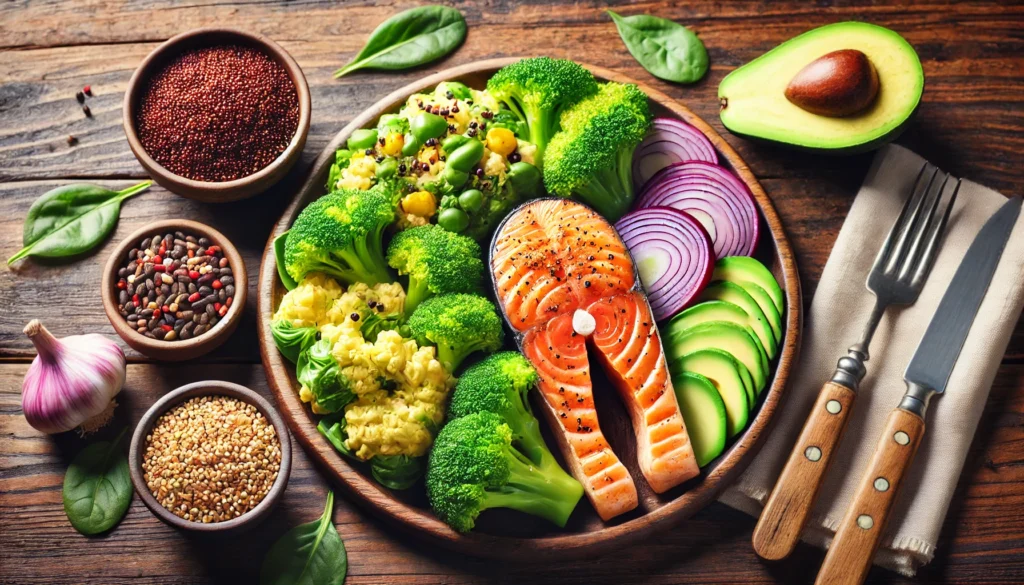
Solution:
(940, 347)
(860, 532)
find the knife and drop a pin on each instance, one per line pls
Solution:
(860, 532)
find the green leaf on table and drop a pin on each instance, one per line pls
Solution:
(72, 219)
(98, 487)
(667, 50)
(309, 554)
(407, 39)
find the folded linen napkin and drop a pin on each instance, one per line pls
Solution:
(836, 317)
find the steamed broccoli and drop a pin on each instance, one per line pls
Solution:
(340, 235)
(474, 466)
(501, 384)
(458, 325)
(437, 261)
(592, 156)
(537, 90)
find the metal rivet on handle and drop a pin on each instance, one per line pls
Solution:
(901, 438)
(881, 484)
(833, 406)
(812, 453)
(865, 521)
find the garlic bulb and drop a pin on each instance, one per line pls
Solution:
(72, 382)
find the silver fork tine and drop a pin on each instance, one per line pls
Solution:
(896, 256)
(921, 230)
(930, 251)
(883, 252)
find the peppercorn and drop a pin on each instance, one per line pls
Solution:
(487, 114)
(354, 316)
(472, 124)
(449, 94)
(471, 132)
(515, 157)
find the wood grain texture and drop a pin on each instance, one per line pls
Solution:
(860, 532)
(969, 122)
(789, 507)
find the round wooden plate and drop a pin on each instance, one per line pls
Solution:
(505, 534)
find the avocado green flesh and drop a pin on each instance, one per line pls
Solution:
(753, 317)
(721, 369)
(754, 102)
(725, 336)
(704, 415)
(740, 268)
(764, 301)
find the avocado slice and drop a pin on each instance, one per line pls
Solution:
(754, 105)
(703, 413)
(721, 368)
(745, 268)
(723, 335)
(753, 317)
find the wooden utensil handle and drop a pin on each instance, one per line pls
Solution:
(849, 558)
(789, 506)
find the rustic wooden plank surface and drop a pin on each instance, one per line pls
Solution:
(971, 122)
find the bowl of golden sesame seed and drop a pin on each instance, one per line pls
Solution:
(210, 456)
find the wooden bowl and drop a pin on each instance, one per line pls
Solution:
(178, 350)
(508, 535)
(216, 192)
(209, 388)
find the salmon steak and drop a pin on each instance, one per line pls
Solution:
(565, 281)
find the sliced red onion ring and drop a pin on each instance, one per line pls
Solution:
(669, 141)
(672, 252)
(713, 196)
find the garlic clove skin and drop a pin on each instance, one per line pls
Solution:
(71, 380)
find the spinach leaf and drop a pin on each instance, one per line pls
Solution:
(318, 371)
(665, 49)
(98, 487)
(309, 554)
(398, 472)
(407, 39)
(286, 279)
(332, 427)
(291, 341)
(72, 219)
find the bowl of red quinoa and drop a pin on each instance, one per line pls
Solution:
(217, 114)
(174, 289)
(211, 456)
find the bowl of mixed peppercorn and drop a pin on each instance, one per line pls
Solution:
(217, 114)
(174, 289)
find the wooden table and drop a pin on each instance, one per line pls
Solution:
(971, 122)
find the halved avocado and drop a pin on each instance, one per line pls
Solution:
(721, 335)
(722, 369)
(733, 294)
(703, 413)
(754, 104)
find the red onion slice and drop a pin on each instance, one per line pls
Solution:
(672, 253)
(713, 196)
(669, 141)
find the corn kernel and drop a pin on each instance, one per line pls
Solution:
(393, 144)
(421, 203)
(501, 141)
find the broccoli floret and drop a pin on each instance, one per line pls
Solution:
(458, 325)
(340, 235)
(501, 384)
(538, 90)
(592, 156)
(474, 466)
(437, 261)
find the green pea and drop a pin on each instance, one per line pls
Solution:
(453, 220)
(426, 126)
(387, 168)
(453, 176)
(525, 180)
(453, 142)
(466, 156)
(411, 145)
(471, 200)
(362, 139)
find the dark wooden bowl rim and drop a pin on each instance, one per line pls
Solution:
(175, 350)
(420, 522)
(209, 388)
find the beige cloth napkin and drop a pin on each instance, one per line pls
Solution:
(838, 311)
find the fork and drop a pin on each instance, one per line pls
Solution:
(896, 278)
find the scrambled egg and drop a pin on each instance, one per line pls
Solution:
(401, 389)
(359, 173)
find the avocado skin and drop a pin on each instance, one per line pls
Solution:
(845, 146)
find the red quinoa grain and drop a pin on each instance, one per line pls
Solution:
(218, 113)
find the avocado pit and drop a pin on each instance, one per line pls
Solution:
(838, 84)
